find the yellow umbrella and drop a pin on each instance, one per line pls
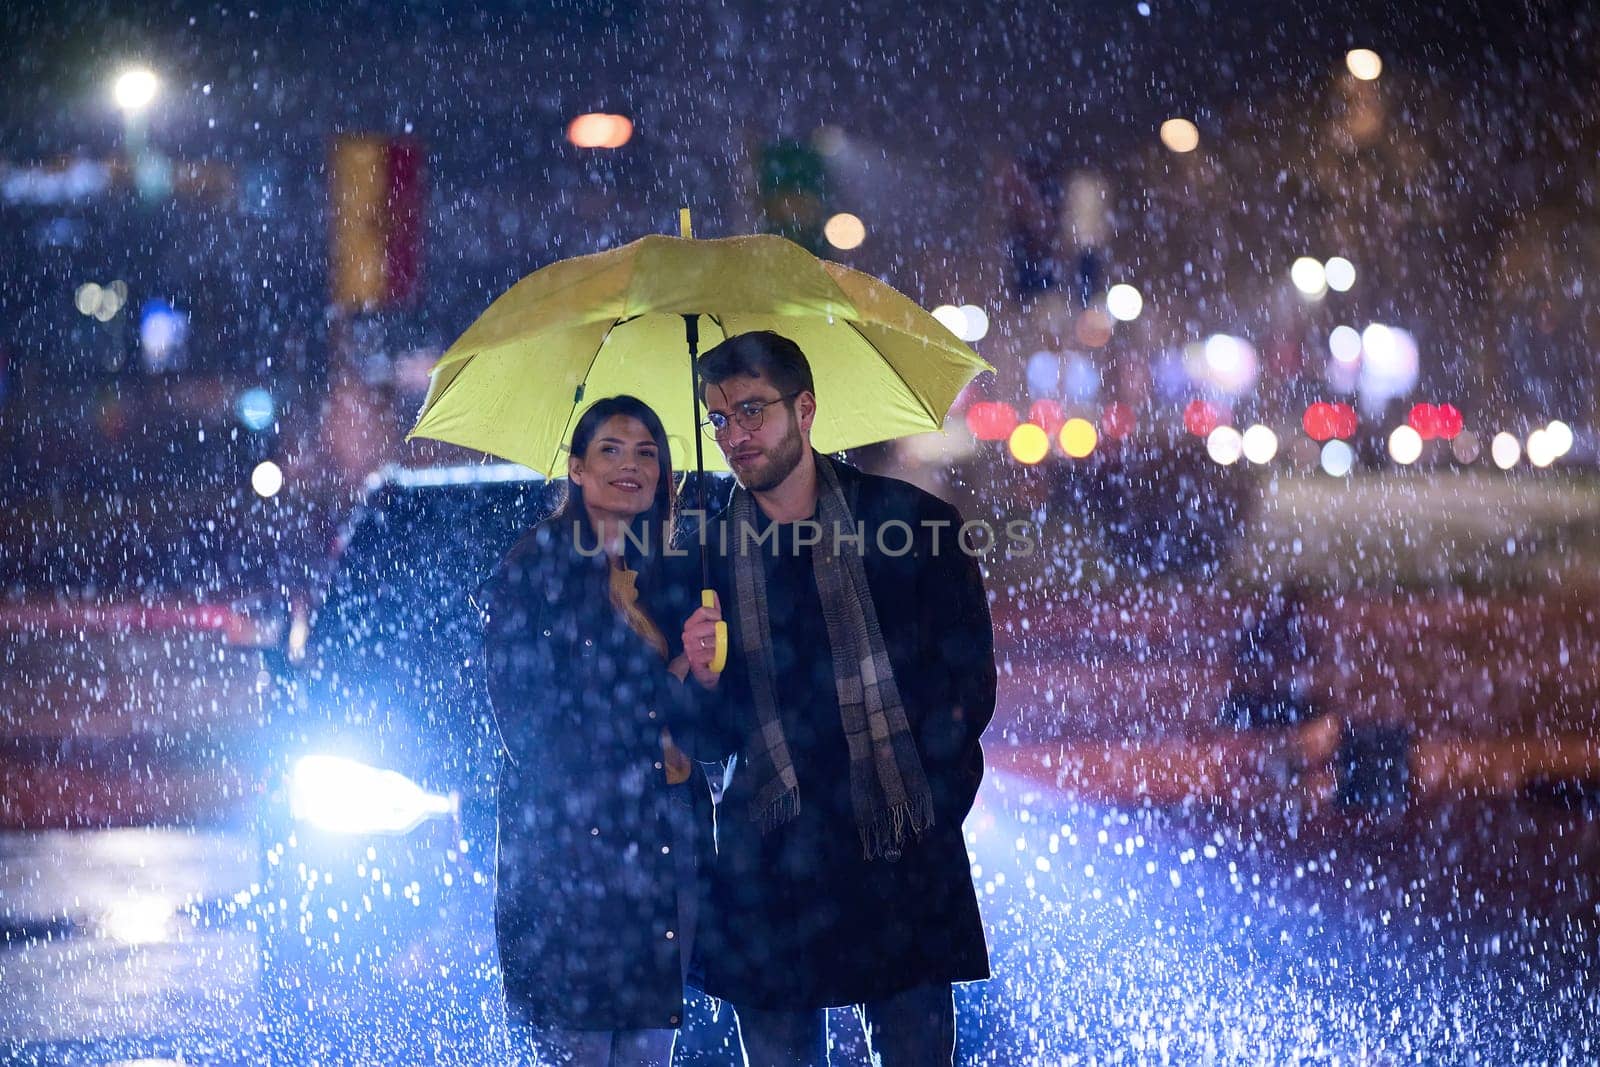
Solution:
(630, 320)
(517, 381)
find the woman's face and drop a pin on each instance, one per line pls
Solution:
(619, 471)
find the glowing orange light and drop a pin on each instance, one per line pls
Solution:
(1029, 443)
(599, 130)
(1078, 438)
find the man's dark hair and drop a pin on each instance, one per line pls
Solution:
(757, 353)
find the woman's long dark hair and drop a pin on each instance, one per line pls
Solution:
(654, 528)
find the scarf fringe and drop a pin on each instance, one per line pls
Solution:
(886, 833)
(777, 811)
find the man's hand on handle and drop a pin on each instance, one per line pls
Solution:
(701, 634)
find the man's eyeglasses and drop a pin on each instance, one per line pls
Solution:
(749, 414)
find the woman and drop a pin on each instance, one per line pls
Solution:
(590, 866)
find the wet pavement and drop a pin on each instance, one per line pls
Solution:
(1445, 934)
(1461, 933)
(118, 943)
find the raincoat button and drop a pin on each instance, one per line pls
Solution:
(673, 1019)
(658, 765)
(671, 934)
(666, 850)
(594, 831)
(652, 714)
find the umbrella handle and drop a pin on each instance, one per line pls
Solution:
(719, 656)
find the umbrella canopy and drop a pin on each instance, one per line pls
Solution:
(517, 381)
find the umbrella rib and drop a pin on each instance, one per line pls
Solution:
(926, 410)
(583, 383)
(453, 382)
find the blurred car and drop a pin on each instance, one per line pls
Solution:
(378, 823)
(378, 828)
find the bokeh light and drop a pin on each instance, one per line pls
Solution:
(991, 420)
(1340, 274)
(1345, 344)
(1118, 420)
(1093, 328)
(951, 318)
(1338, 458)
(266, 479)
(1260, 444)
(1047, 414)
(1425, 419)
(1308, 276)
(1180, 135)
(1448, 421)
(1318, 421)
(1505, 450)
(1389, 362)
(1078, 438)
(1466, 447)
(1405, 445)
(135, 89)
(87, 298)
(600, 130)
(1345, 421)
(1225, 362)
(1200, 417)
(969, 322)
(1541, 450)
(1225, 445)
(255, 409)
(845, 231)
(1029, 443)
(977, 321)
(1377, 342)
(1560, 435)
(1124, 302)
(1364, 63)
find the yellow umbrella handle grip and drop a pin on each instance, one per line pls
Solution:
(719, 655)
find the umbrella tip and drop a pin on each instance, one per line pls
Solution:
(685, 228)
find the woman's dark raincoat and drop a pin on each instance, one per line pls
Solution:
(586, 905)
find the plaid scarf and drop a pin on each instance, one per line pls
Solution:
(888, 787)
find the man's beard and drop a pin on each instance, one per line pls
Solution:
(781, 462)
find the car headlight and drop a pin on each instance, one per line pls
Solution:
(345, 796)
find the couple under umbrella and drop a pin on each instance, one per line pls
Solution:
(845, 680)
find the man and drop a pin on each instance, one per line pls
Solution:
(859, 678)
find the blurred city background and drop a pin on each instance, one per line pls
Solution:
(1292, 310)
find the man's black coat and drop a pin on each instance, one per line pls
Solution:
(798, 918)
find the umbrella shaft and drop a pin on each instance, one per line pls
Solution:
(691, 334)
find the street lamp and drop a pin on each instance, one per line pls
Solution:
(134, 90)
